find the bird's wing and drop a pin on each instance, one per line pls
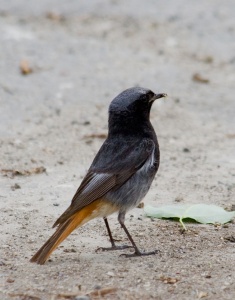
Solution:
(113, 165)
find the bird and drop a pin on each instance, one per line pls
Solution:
(120, 174)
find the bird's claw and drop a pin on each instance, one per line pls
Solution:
(113, 248)
(138, 253)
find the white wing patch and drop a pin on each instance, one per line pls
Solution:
(98, 179)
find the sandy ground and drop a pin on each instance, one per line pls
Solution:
(82, 54)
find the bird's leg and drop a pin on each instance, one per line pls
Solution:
(121, 219)
(110, 233)
(113, 245)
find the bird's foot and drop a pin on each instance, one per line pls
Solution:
(114, 247)
(138, 253)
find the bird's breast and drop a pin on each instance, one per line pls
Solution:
(136, 187)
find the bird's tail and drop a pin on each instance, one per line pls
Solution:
(64, 229)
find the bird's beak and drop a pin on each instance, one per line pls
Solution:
(158, 96)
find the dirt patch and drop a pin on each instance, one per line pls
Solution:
(82, 56)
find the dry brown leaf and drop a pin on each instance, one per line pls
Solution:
(230, 238)
(96, 293)
(208, 59)
(198, 78)
(202, 295)
(169, 280)
(12, 173)
(141, 205)
(25, 68)
(67, 295)
(231, 136)
(55, 16)
(102, 292)
(96, 135)
(24, 296)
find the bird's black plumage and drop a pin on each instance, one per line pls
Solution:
(130, 144)
(120, 174)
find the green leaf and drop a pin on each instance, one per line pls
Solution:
(202, 213)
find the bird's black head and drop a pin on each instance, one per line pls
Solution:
(131, 108)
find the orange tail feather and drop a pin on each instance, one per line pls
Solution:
(64, 229)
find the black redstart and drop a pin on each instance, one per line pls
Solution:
(119, 176)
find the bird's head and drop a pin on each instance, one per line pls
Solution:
(131, 108)
(132, 103)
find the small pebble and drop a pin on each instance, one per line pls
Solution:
(16, 186)
(97, 287)
(82, 298)
(87, 123)
(111, 274)
(179, 199)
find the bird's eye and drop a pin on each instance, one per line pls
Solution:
(149, 95)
